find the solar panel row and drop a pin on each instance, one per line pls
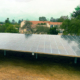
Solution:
(47, 44)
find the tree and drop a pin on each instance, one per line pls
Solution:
(11, 29)
(42, 29)
(2, 28)
(8, 27)
(1, 22)
(76, 13)
(22, 19)
(7, 24)
(7, 20)
(19, 21)
(65, 26)
(53, 31)
(77, 8)
(44, 23)
(71, 27)
(42, 18)
(52, 19)
(39, 24)
(13, 21)
(60, 19)
(17, 26)
(27, 25)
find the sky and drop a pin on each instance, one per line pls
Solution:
(33, 9)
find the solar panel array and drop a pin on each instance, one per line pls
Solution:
(47, 44)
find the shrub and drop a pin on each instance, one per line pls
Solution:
(42, 29)
(53, 31)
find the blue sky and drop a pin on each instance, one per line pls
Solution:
(33, 9)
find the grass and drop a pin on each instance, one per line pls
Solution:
(24, 66)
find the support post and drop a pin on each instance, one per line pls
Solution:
(4, 52)
(36, 56)
(75, 60)
(33, 53)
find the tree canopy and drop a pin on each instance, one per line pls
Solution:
(8, 27)
(42, 18)
(11, 29)
(7, 20)
(61, 19)
(76, 13)
(53, 30)
(42, 29)
(72, 26)
(27, 25)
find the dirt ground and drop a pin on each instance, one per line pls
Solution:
(24, 66)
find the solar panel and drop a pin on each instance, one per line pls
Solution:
(44, 44)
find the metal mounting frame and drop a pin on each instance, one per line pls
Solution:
(75, 60)
(4, 52)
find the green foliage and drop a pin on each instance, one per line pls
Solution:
(2, 28)
(76, 13)
(42, 29)
(78, 17)
(17, 25)
(44, 23)
(1, 23)
(27, 25)
(71, 27)
(53, 31)
(42, 18)
(41, 23)
(61, 19)
(7, 27)
(77, 8)
(11, 29)
(7, 20)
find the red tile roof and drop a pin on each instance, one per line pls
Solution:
(53, 23)
(34, 23)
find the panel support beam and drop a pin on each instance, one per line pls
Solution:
(36, 56)
(75, 60)
(4, 52)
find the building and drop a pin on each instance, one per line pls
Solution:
(35, 23)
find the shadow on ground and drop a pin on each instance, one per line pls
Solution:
(46, 65)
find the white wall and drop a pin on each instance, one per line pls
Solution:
(48, 25)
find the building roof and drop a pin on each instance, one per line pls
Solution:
(53, 23)
(34, 23)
